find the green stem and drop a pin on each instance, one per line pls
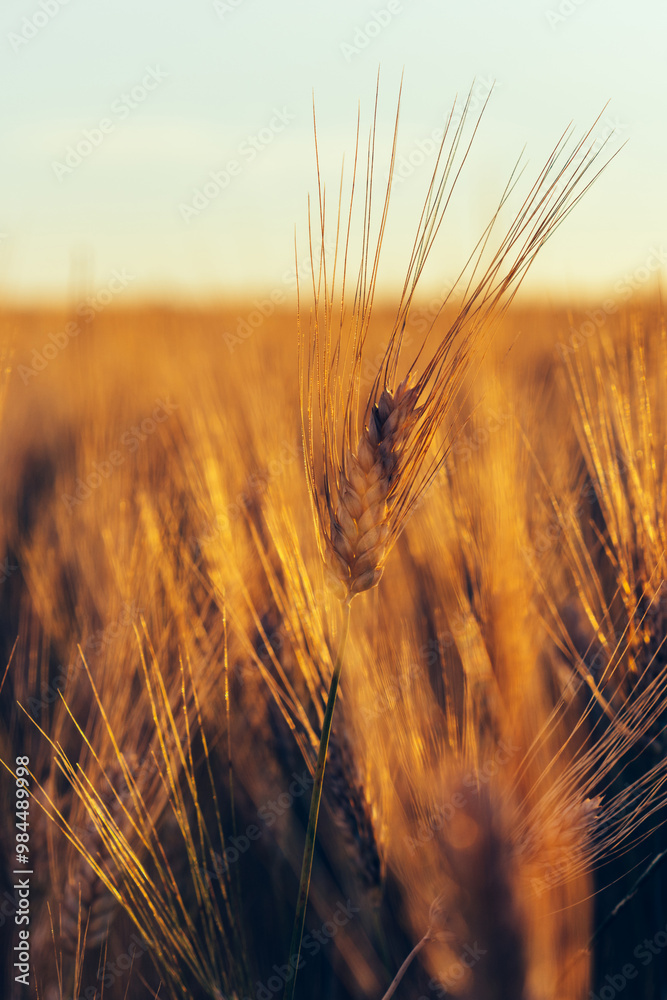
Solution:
(311, 831)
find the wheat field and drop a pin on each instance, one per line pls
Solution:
(194, 506)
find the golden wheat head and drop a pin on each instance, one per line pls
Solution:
(369, 460)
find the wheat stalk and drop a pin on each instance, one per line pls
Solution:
(370, 473)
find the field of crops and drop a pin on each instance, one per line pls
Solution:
(171, 611)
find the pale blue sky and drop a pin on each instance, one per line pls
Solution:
(229, 67)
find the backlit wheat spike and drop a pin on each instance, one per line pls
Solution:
(88, 908)
(616, 621)
(369, 459)
(604, 816)
(201, 945)
(360, 524)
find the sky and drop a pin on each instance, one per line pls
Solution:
(165, 150)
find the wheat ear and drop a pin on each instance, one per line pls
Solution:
(360, 519)
(88, 907)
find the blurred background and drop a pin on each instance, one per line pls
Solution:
(174, 142)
